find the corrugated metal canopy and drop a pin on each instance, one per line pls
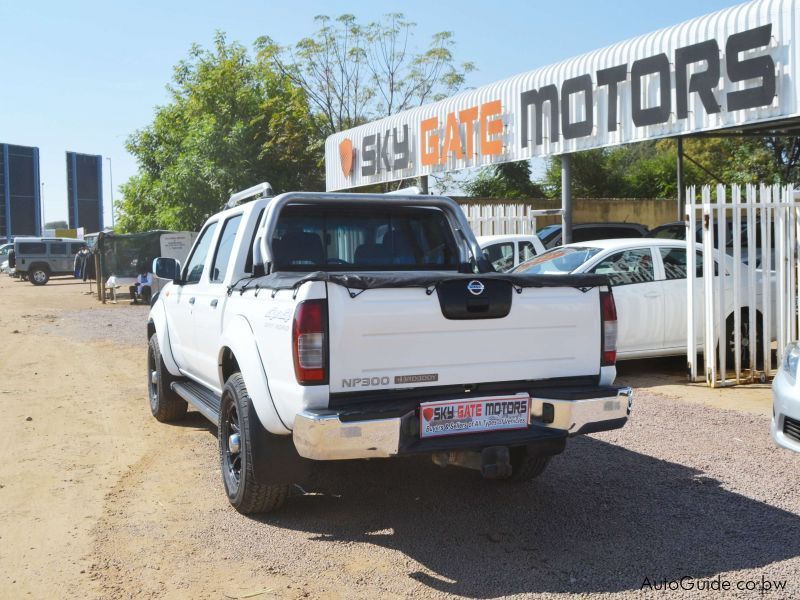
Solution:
(736, 70)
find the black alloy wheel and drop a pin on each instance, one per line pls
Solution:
(230, 437)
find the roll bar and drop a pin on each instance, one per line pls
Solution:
(262, 190)
(467, 244)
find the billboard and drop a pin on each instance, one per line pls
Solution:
(730, 69)
(85, 191)
(20, 209)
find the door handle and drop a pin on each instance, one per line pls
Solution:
(191, 300)
(214, 303)
(651, 295)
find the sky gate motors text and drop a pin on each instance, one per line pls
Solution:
(476, 131)
(703, 82)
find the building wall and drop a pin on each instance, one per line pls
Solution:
(20, 212)
(85, 191)
(647, 211)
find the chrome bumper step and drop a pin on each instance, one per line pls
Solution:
(323, 435)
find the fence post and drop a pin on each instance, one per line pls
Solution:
(691, 277)
(751, 278)
(782, 268)
(766, 280)
(722, 343)
(794, 231)
(736, 230)
(709, 347)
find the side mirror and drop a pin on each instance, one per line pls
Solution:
(167, 268)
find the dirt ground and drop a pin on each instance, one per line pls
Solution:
(98, 500)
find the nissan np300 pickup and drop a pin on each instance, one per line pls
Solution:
(321, 327)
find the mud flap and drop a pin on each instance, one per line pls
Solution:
(275, 459)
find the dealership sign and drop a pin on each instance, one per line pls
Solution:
(732, 68)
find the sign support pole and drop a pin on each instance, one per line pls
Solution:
(681, 191)
(566, 200)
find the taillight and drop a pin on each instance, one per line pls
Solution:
(309, 343)
(608, 310)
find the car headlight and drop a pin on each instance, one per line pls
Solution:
(791, 359)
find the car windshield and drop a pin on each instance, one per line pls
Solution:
(558, 260)
(545, 232)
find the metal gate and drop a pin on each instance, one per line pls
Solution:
(742, 275)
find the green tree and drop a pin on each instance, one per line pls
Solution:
(353, 73)
(592, 176)
(763, 160)
(232, 122)
(507, 180)
(648, 169)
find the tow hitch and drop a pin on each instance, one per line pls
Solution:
(493, 462)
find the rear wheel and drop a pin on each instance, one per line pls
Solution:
(245, 494)
(165, 404)
(39, 275)
(744, 333)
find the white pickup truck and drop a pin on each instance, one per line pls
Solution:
(313, 327)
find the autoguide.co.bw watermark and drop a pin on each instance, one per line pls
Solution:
(715, 584)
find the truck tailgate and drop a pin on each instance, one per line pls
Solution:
(392, 338)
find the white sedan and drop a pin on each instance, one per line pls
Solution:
(648, 277)
(786, 400)
(507, 251)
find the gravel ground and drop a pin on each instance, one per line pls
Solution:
(682, 490)
(121, 324)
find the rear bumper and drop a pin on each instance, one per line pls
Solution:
(323, 435)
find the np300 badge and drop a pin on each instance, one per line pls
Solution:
(475, 287)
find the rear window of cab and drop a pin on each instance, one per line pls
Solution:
(336, 238)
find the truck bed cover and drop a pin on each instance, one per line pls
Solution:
(365, 280)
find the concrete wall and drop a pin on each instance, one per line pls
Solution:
(648, 211)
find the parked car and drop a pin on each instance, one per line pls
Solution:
(677, 231)
(672, 231)
(315, 327)
(4, 251)
(507, 251)
(38, 258)
(587, 232)
(786, 400)
(649, 281)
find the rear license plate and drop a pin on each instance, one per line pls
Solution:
(476, 415)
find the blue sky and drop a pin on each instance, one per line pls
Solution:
(82, 75)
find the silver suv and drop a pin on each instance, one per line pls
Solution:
(38, 259)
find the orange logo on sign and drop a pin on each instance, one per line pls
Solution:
(346, 156)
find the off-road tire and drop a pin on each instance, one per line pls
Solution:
(38, 275)
(526, 466)
(245, 494)
(165, 404)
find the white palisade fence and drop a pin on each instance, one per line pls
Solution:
(504, 219)
(750, 237)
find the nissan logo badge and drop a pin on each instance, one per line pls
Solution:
(475, 287)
